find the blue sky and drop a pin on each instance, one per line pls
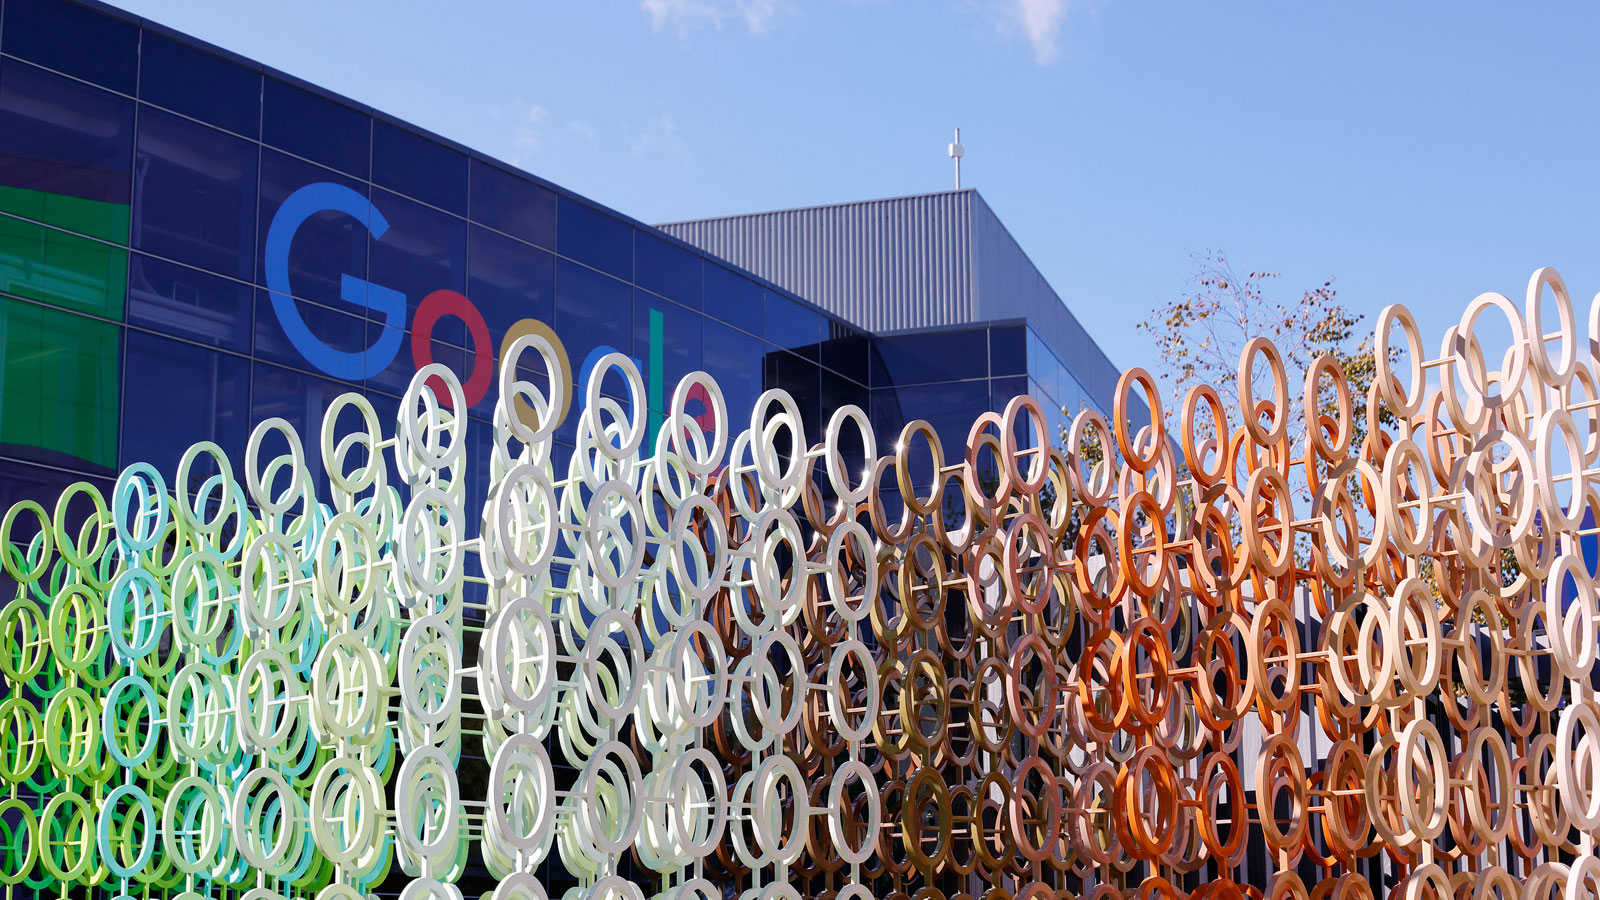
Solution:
(1419, 153)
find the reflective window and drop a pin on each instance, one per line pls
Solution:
(734, 299)
(802, 379)
(178, 394)
(508, 280)
(423, 251)
(793, 326)
(195, 194)
(326, 247)
(102, 48)
(62, 269)
(513, 204)
(299, 398)
(189, 303)
(58, 385)
(397, 375)
(341, 330)
(66, 152)
(733, 357)
(316, 128)
(847, 355)
(931, 357)
(949, 408)
(199, 84)
(419, 167)
(594, 238)
(667, 332)
(670, 270)
(592, 311)
(1008, 349)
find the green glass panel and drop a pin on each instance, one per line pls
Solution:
(95, 218)
(58, 382)
(62, 269)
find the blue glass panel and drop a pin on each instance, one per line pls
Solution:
(847, 355)
(1042, 364)
(64, 138)
(42, 484)
(594, 238)
(195, 197)
(189, 303)
(736, 360)
(508, 280)
(950, 408)
(72, 38)
(419, 167)
(513, 204)
(931, 357)
(299, 398)
(397, 375)
(680, 351)
(202, 85)
(315, 127)
(802, 379)
(338, 329)
(327, 246)
(1008, 350)
(793, 326)
(1004, 389)
(592, 311)
(423, 251)
(669, 269)
(734, 299)
(176, 394)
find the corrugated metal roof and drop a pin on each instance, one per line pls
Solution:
(904, 262)
(922, 261)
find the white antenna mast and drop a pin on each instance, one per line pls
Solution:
(956, 152)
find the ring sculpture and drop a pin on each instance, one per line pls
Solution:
(727, 663)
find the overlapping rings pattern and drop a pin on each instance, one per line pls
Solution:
(787, 664)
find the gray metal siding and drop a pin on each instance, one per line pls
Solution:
(881, 265)
(1010, 286)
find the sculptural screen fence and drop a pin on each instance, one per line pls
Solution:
(1031, 676)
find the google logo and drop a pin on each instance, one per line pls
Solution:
(356, 365)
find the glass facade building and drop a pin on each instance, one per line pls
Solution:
(191, 243)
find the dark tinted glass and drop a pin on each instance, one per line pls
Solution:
(423, 251)
(794, 327)
(397, 375)
(931, 357)
(299, 398)
(199, 84)
(508, 280)
(189, 303)
(666, 334)
(950, 408)
(594, 314)
(74, 39)
(326, 247)
(735, 359)
(734, 299)
(312, 126)
(1008, 350)
(513, 204)
(594, 238)
(337, 328)
(195, 199)
(66, 152)
(419, 167)
(669, 270)
(847, 356)
(181, 394)
(801, 378)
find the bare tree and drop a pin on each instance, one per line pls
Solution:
(1200, 336)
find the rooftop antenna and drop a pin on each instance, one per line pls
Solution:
(956, 152)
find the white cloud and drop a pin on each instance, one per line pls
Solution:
(1036, 21)
(582, 129)
(758, 15)
(658, 132)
